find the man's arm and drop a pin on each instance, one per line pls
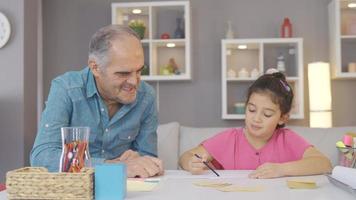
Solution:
(146, 140)
(47, 148)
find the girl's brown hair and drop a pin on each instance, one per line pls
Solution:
(277, 87)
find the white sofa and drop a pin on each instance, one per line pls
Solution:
(174, 139)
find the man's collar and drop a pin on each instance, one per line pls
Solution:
(91, 86)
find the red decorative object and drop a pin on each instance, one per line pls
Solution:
(165, 36)
(2, 187)
(286, 29)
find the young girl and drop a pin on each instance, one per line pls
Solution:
(263, 144)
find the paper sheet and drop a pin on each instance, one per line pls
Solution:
(345, 175)
(301, 184)
(141, 185)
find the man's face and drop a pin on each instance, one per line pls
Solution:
(119, 80)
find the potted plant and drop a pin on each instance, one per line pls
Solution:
(139, 27)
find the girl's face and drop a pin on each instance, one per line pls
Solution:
(262, 116)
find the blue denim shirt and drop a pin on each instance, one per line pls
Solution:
(73, 100)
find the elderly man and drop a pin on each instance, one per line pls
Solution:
(109, 97)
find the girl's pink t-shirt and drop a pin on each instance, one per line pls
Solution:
(231, 149)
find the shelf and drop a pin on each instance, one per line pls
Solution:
(342, 38)
(260, 55)
(348, 37)
(166, 40)
(241, 79)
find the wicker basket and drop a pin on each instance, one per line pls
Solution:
(38, 183)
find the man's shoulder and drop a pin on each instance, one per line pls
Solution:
(146, 91)
(72, 79)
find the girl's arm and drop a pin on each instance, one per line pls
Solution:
(188, 161)
(313, 162)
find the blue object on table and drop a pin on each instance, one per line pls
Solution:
(110, 181)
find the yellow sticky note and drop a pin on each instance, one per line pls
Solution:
(211, 184)
(301, 184)
(140, 186)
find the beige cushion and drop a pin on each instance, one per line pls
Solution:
(324, 139)
(191, 137)
(167, 140)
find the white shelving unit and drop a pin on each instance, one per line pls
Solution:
(260, 54)
(342, 38)
(160, 18)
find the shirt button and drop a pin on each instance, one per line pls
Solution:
(129, 137)
(106, 130)
(47, 125)
(103, 151)
(102, 109)
(257, 153)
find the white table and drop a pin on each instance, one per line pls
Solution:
(177, 185)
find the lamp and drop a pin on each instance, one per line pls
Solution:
(319, 94)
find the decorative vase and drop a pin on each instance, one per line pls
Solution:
(281, 64)
(75, 149)
(286, 28)
(179, 32)
(231, 73)
(243, 73)
(254, 73)
(229, 33)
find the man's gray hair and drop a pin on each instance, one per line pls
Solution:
(101, 42)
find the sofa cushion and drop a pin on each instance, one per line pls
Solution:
(190, 137)
(324, 139)
(167, 141)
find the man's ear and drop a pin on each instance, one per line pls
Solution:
(94, 67)
(284, 118)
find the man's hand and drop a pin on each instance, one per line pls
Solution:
(143, 167)
(127, 155)
(268, 170)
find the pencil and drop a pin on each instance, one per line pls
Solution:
(207, 165)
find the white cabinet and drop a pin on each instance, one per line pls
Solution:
(342, 30)
(166, 38)
(243, 60)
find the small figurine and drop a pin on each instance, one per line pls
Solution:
(173, 66)
(165, 36)
(229, 33)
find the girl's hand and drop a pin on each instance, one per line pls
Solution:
(268, 170)
(196, 165)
